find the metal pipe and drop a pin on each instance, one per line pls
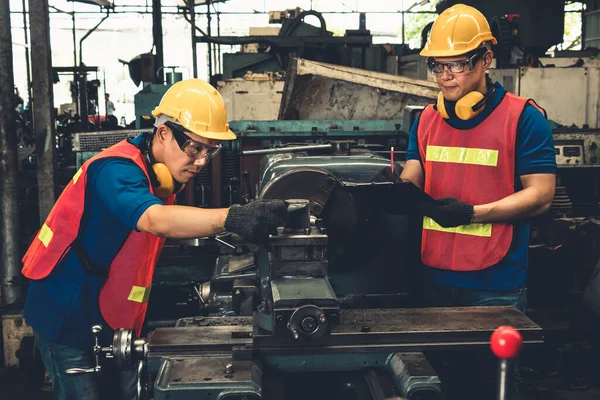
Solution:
(75, 74)
(89, 33)
(208, 31)
(158, 40)
(218, 46)
(27, 63)
(290, 149)
(43, 103)
(194, 43)
(10, 276)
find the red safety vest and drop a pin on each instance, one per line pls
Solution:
(476, 166)
(124, 296)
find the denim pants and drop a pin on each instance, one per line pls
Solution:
(110, 384)
(473, 374)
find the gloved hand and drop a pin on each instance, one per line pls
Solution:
(386, 175)
(255, 221)
(448, 212)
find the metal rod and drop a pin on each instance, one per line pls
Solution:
(289, 149)
(221, 241)
(75, 73)
(208, 31)
(27, 63)
(219, 69)
(158, 40)
(9, 212)
(502, 387)
(194, 43)
(43, 103)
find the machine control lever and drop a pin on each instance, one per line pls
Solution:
(221, 241)
(506, 343)
(96, 330)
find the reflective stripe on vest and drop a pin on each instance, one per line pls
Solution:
(483, 230)
(123, 297)
(462, 155)
(476, 166)
(139, 294)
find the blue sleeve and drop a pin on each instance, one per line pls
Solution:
(412, 153)
(123, 188)
(535, 144)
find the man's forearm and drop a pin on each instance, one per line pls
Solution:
(523, 204)
(181, 222)
(413, 173)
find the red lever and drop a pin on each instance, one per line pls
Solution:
(506, 342)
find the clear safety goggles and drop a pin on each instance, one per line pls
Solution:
(456, 67)
(191, 148)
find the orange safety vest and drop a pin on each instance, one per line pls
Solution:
(124, 296)
(476, 166)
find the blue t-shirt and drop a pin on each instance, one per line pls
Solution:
(535, 155)
(64, 305)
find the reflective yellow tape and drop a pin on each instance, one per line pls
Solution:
(462, 155)
(76, 176)
(139, 294)
(483, 230)
(45, 235)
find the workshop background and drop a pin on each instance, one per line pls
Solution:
(314, 89)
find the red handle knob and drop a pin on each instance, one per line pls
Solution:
(506, 342)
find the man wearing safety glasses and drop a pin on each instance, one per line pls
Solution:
(487, 157)
(93, 259)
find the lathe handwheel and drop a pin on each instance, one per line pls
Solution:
(308, 322)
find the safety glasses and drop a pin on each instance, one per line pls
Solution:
(456, 67)
(191, 148)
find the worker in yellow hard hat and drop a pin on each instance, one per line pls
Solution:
(93, 259)
(487, 158)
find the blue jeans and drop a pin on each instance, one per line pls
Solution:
(473, 374)
(110, 384)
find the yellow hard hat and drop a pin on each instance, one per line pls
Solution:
(198, 107)
(458, 30)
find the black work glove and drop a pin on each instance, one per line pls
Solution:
(448, 212)
(386, 175)
(255, 221)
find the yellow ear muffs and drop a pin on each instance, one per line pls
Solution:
(468, 106)
(441, 106)
(166, 184)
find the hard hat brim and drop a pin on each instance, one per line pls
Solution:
(227, 135)
(455, 52)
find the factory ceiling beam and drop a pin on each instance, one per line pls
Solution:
(43, 104)
(9, 218)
